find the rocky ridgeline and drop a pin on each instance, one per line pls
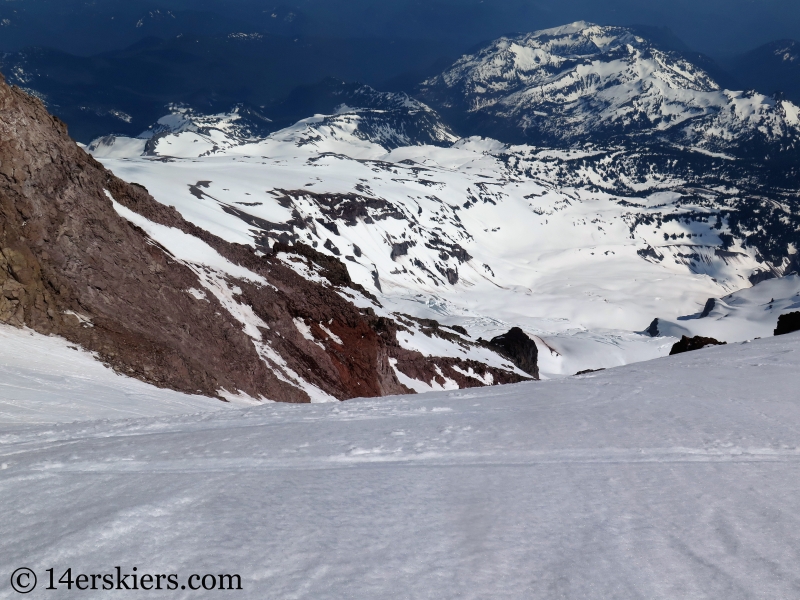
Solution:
(71, 266)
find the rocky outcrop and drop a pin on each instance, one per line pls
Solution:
(71, 266)
(652, 329)
(788, 323)
(697, 342)
(520, 349)
(588, 371)
(711, 304)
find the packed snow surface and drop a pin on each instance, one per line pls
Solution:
(675, 478)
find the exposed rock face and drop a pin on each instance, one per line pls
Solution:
(652, 329)
(70, 265)
(520, 349)
(688, 344)
(788, 323)
(588, 371)
(711, 303)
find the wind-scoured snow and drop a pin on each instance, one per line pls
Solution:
(676, 478)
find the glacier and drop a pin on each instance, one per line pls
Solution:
(636, 192)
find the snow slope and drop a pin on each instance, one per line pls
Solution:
(676, 478)
(47, 380)
(744, 315)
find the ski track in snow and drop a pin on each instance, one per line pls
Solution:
(675, 478)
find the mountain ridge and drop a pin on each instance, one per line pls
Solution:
(773, 68)
(479, 234)
(96, 260)
(585, 83)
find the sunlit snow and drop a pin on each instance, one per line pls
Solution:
(565, 264)
(675, 478)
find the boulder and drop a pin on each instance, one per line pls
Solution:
(697, 342)
(788, 323)
(519, 349)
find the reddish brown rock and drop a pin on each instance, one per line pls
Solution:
(71, 266)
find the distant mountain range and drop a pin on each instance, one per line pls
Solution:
(270, 62)
(125, 91)
(93, 27)
(586, 83)
(772, 68)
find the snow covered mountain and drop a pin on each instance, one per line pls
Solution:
(357, 113)
(366, 251)
(582, 249)
(456, 241)
(583, 82)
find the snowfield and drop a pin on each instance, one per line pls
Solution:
(746, 314)
(659, 477)
(48, 380)
(675, 478)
